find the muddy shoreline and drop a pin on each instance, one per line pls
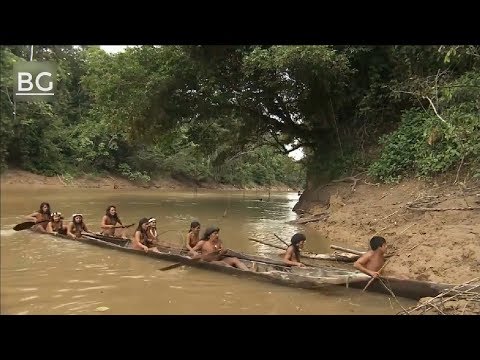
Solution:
(432, 230)
(21, 177)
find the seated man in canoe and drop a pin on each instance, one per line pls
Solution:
(193, 235)
(111, 222)
(373, 260)
(140, 238)
(56, 226)
(292, 256)
(41, 217)
(211, 244)
(77, 226)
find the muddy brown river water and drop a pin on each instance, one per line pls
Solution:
(45, 275)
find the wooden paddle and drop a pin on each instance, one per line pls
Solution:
(195, 258)
(122, 226)
(27, 225)
(373, 278)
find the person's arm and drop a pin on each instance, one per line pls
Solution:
(50, 228)
(69, 230)
(197, 247)
(287, 259)
(104, 224)
(221, 250)
(189, 248)
(362, 262)
(85, 228)
(33, 216)
(136, 241)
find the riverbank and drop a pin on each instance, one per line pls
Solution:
(432, 228)
(14, 177)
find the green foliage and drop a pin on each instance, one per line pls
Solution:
(230, 113)
(138, 176)
(426, 144)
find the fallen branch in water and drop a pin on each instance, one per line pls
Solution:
(268, 244)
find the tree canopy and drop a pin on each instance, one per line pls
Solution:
(233, 113)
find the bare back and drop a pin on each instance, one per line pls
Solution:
(370, 261)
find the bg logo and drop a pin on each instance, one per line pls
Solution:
(34, 81)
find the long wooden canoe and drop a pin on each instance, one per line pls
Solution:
(277, 272)
(265, 269)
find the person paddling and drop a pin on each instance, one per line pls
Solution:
(210, 243)
(292, 256)
(373, 260)
(111, 222)
(43, 215)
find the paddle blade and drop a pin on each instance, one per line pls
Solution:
(171, 266)
(23, 226)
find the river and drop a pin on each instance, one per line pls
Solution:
(45, 275)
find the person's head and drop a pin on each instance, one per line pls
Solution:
(378, 242)
(152, 222)
(77, 218)
(142, 225)
(57, 216)
(111, 211)
(298, 240)
(211, 233)
(195, 227)
(44, 208)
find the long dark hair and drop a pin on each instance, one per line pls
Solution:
(114, 217)
(193, 225)
(48, 211)
(140, 223)
(295, 240)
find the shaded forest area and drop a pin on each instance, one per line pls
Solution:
(232, 114)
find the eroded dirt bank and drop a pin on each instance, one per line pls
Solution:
(435, 245)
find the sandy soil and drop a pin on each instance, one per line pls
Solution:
(439, 246)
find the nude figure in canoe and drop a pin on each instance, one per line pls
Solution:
(193, 236)
(211, 243)
(372, 261)
(41, 217)
(111, 222)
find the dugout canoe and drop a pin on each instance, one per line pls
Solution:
(266, 269)
(275, 271)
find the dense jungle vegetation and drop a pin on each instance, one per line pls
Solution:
(232, 114)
